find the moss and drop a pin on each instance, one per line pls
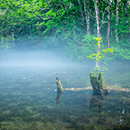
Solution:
(59, 85)
(78, 126)
(97, 83)
(94, 127)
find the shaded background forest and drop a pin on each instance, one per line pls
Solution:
(67, 26)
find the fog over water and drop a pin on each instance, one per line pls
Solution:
(117, 71)
(28, 92)
(33, 59)
(39, 67)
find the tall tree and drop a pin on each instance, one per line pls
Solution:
(108, 22)
(98, 29)
(117, 20)
(87, 19)
(81, 12)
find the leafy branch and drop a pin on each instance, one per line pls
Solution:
(100, 54)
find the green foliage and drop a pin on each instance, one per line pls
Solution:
(99, 55)
(61, 24)
(122, 53)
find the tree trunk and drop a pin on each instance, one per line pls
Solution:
(98, 29)
(127, 15)
(117, 20)
(2, 38)
(86, 18)
(13, 37)
(81, 12)
(98, 84)
(108, 20)
(99, 92)
(97, 17)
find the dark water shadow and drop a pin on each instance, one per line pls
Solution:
(59, 93)
(97, 101)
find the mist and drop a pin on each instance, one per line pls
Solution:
(45, 59)
(28, 91)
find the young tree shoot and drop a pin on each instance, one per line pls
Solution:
(99, 55)
(97, 82)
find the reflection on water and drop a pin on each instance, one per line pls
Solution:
(27, 97)
(59, 93)
(59, 90)
(96, 101)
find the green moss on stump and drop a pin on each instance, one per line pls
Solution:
(98, 84)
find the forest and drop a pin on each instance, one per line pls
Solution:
(47, 78)
(68, 26)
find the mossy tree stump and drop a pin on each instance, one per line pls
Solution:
(98, 84)
(59, 90)
(59, 85)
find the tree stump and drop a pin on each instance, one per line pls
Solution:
(98, 84)
(59, 85)
(59, 90)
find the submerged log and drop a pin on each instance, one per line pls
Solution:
(98, 84)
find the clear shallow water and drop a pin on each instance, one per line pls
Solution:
(28, 99)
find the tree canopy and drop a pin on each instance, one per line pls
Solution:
(68, 25)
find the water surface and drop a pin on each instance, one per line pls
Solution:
(28, 99)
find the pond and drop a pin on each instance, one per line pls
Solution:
(28, 99)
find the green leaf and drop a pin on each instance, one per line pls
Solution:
(110, 50)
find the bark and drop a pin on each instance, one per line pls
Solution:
(59, 90)
(117, 20)
(97, 17)
(88, 24)
(126, 11)
(86, 17)
(59, 85)
(13, 37)
(81, 12)
(98, 29)
(98, 84)
(108, 29)
(2, 40)
(99, 92)
(127, 15)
